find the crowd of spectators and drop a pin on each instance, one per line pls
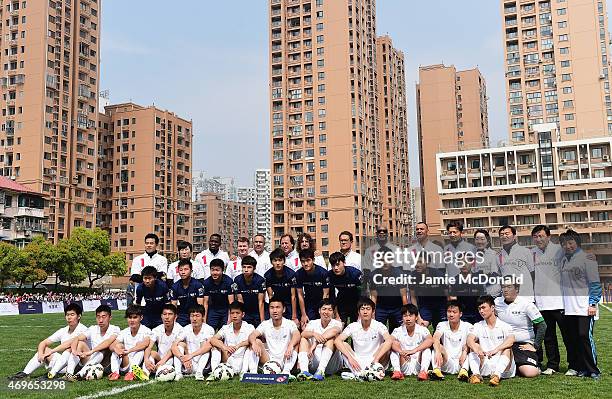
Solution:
(9, 297)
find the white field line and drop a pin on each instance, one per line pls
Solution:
(609, 310)
(115, 391)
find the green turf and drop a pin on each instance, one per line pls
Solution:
(24, 332)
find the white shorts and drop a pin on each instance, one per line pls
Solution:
(490, 364)
(235, 362)
(412, 366)
(333, 366)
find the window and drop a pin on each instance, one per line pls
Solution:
(566, 77)
(599, 173)
(320, 39)
(570, 130)
(562, 24)
(596, 152)
(562, 11)
(569, 117)
(567, 90)
(564, 50)
(565, 64)
(563, 38)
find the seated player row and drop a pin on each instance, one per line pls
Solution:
(491, 347)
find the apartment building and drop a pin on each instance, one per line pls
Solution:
(145, 167)
(562, 184)
(393, 136)
(48, 141)
(452, 115)
(557, 67)
(214, 214)
(263, 205)
(326, 150)
(22, 215)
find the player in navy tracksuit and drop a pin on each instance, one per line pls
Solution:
(312, 285)
(280, 283)
(152, 294)
(250, 289)
(186, 292)
(430, 298)
(347, 280)
(388, 294)
(218, 294)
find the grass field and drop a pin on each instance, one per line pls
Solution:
(19, 336)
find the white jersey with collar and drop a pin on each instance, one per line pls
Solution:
(201, 268)
(159, 262)
(292, 261)
(263, 262)
(63, 334)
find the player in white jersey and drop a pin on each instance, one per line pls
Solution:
(371, 341)
(184, 252)
(411, 353)
(128, 349)
(317, 351)
(92, 346)
(192, 345)
(351, 258)
(292, 258)
(232, 340)
(55, 359)
(522, 315)
(450, 351)
(234, 267)
(490, 342)
(261, 255)
(149, 258)
(282, 338)
(164, 336)
(201, 266)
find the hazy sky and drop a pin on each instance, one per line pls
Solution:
(208, 60)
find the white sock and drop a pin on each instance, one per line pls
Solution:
(124, 369)
(136, 358)
(474, 361)
(326, 355)
(32, 365)
(303, 361)
(61, 362)
(395, 361)
(434, 364)
(115, 363)
(215, 358)
(289, 363)
(253, 363)
(246, 361)
(425, 359)
(178, 365)
(52, 359)
(502, 364)
(466, 363)
(72, 363)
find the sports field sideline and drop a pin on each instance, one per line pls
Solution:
(19, 336)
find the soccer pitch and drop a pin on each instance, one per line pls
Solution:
(19, 336)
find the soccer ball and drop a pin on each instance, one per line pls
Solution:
(93, 372)
(375, 372)
(165, 373)
(379, 371)
(223, 372)
(271, 367)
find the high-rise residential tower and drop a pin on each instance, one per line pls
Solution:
(49, 85)
(451, 116)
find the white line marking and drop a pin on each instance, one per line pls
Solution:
(20, 326)
(609, 310)
(18, 350)
(115, 391)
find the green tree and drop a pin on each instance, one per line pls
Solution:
(26, 269)
(89, 250)
(8, 253)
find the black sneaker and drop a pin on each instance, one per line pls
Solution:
(19, 376)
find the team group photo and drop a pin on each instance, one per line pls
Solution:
(305, 198)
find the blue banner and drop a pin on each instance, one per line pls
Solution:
(30, 307)
(266, 378)
(110, 302)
